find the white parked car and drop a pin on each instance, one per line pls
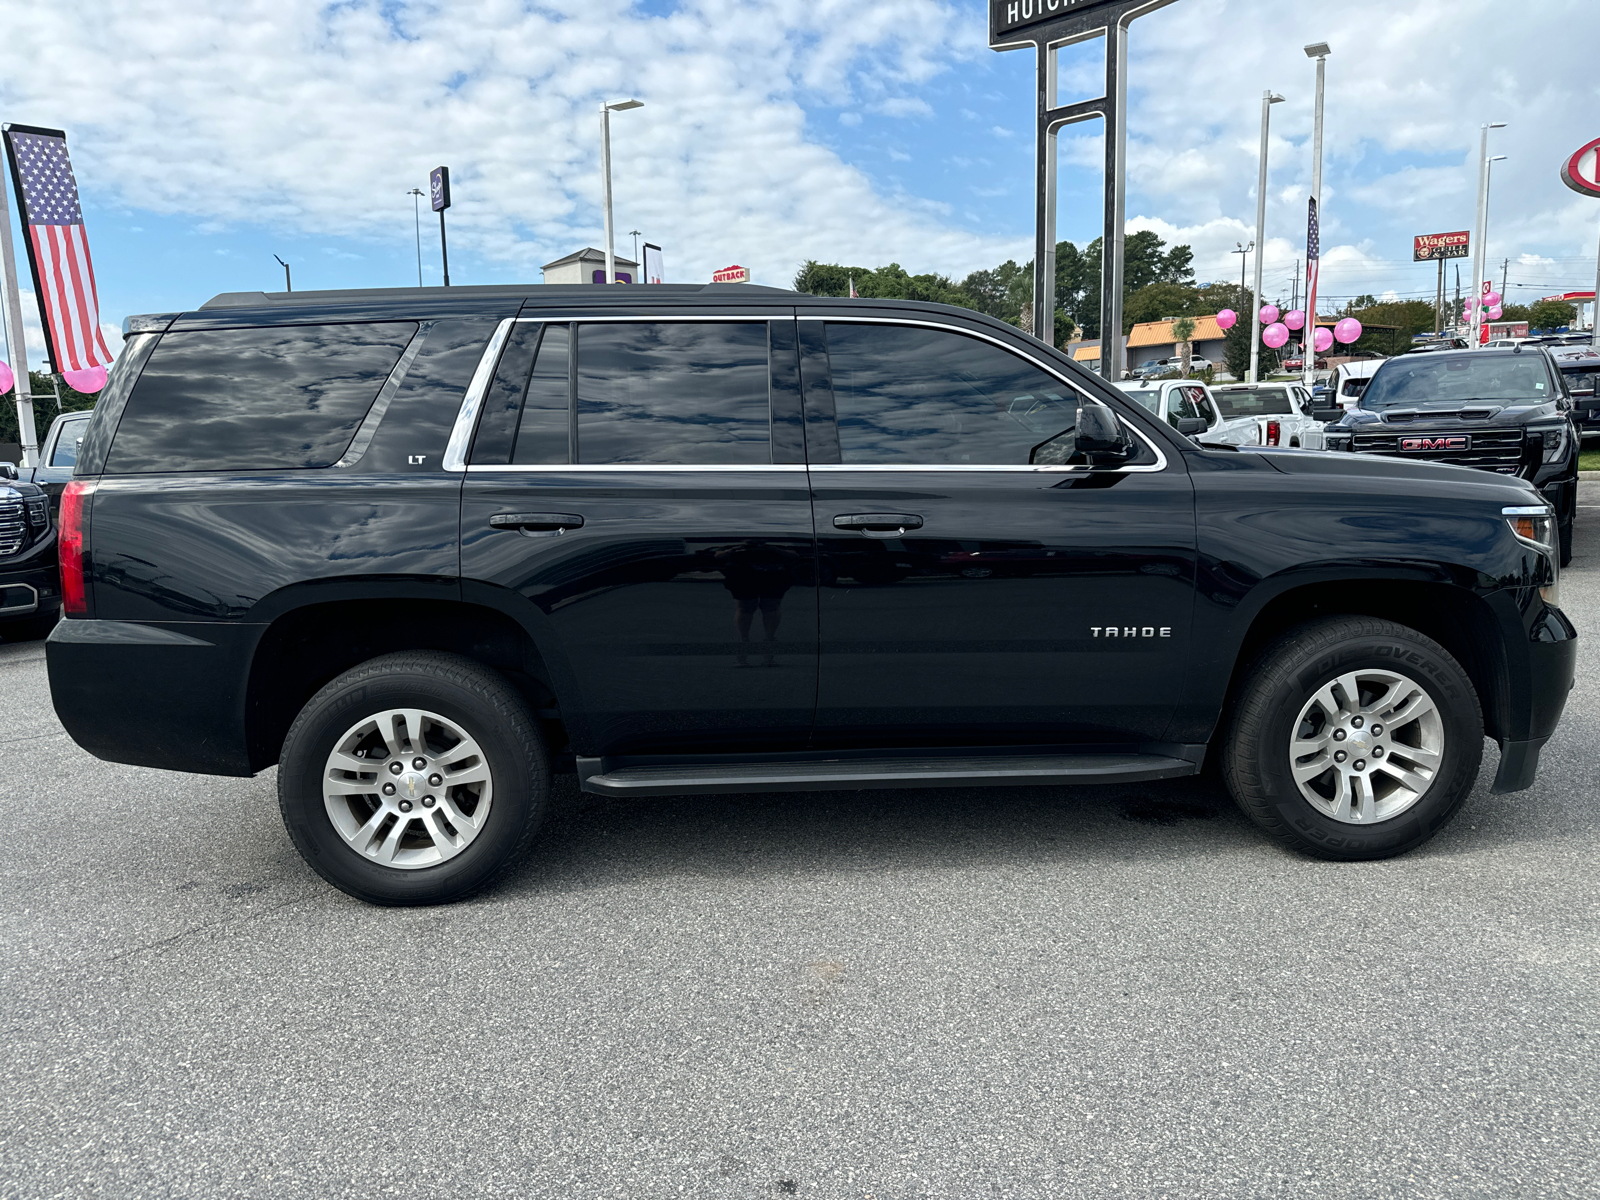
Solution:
(1174, 400)
(1266, 414)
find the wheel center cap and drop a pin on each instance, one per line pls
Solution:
(411, 786)
(1360, 740)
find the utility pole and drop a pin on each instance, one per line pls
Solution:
(1308, 354)
(1455, 309)
(1438, 301)
(1505, 275)
(634, 234)
(1481, 230)
(1242, 251)
(288, 283)
(416, 220)
(1268, 99)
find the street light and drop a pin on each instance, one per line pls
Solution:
(1308, 355)
(416, 213)
(1242, 250)
(1268, 99)
(606, 109)
(1481, 232)
(288, 284)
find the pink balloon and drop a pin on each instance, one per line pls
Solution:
(1227, 318)
(1493, 312)
(1469, 304)
(1323, 340)
(1269, 314)
(1491, 298)
(6, 378)
(1347, 330)
(1294, 319)
(89, 380)
(1275, 335)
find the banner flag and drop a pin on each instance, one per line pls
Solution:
(58, 248)
(1313, 269)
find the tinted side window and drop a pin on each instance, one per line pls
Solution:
(913, 396)
(65, 451)
(673, 392)
(254, 399)
(544, 430)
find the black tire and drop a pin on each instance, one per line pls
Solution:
(458, 689)
(1257, 761)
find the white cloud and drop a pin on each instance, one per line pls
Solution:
(313, 117)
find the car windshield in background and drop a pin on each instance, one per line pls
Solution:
(1267, 401)
(1450, 382)
(1582, 381)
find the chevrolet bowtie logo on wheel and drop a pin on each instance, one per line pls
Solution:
(1417, 444)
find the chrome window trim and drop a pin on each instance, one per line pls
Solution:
(582, 468)
(455, 455)
(386, 394)
(1146, 468)
(455, 450)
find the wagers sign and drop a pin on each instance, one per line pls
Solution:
(1426, 247)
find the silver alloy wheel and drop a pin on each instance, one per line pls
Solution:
(1367, 746)
(407, 788)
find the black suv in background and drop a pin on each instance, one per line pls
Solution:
(1509, 411)
(29, 596)
(420, 548)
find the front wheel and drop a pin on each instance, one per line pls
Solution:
(1354, 738)
(413, 778)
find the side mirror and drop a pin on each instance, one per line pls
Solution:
(8, 470)
(1189, 426)
(1327, 415)
(1101, 436)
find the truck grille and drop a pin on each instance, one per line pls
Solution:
(1492, 450)
(13, 526)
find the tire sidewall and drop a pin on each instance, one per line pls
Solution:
(518, 787)
(1457, 703)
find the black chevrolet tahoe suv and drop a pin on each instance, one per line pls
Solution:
(422, 548)
(1510, 411)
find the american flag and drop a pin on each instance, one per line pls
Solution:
(58, 248)
(1313, 255)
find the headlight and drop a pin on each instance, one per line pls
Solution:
(1535, 525)
(1553, 438)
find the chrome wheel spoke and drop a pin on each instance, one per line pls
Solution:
(407, 831)
(1353, 757)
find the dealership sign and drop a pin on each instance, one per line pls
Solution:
(733, 274)
(1581, 172)
(1008, 16)
(1426, 247)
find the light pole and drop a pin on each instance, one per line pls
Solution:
(416, 213)
(1488, 178)
(634, 234)
(288, 284)
(1242, 250)
(1480, 230)
(606, 109)
(1268, 99)
(1308, 353)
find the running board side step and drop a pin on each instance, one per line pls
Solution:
(662, 776)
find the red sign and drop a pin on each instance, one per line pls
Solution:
(733, 274)
(1581, 172)
(1426, 247)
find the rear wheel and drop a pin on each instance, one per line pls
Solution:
(1355, 738)
(413, 778)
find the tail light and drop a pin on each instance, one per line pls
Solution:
(1273, 433)
(72, 543)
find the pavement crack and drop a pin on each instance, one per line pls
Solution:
(158, 943)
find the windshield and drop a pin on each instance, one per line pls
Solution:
(1267, 401)
(1450, 382)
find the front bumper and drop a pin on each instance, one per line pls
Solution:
(1539, 680)
(27, 592)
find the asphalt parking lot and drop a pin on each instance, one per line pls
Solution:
(1118, 991)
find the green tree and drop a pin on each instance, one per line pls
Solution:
(1408, 317)
(1517, 312)
(1002, 291)
(1550, 314)
(1182, 333)
(1157, 301)
(46, 408)
(1145, 260)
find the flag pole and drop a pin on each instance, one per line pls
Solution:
(16, 342)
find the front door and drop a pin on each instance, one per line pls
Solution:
(637, 499)
(968, 596)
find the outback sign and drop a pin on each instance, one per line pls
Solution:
(733, 274)
(1426, 247)
(1008, 16)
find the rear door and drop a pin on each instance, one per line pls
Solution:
(636, 498)
(967, 596)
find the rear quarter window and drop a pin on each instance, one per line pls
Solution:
(286, 396)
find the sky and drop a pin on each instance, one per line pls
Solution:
(207, 137)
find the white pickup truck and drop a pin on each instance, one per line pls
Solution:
(1266, 414)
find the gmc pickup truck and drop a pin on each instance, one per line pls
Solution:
(420, 548)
